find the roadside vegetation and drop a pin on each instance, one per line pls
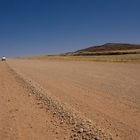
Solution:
(108, 52)
(105, 58)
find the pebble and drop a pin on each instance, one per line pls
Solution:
(80, 130)
(62, 122)
(57, 132)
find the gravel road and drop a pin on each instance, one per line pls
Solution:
(107, 94)
(21, 116)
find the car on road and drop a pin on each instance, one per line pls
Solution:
(3, 58)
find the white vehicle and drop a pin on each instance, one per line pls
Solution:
(3, 58)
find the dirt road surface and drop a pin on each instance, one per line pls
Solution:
(106, 93)
(20, 116)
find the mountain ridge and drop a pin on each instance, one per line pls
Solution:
(110, 47)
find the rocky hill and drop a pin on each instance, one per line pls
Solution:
(110, 47)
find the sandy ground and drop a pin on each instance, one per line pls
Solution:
(21, 118)
(106, 93)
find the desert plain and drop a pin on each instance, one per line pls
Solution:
(106, 94)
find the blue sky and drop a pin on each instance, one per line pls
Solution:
(34, 27)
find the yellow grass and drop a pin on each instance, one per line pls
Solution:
(110, 58)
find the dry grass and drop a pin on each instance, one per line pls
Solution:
(132, 55)
(116, 52)
(108, 58)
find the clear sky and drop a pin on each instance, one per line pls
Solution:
(31, 27)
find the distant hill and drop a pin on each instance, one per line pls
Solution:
(110, 47)
(110, 52)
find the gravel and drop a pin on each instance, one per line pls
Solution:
(82, 128)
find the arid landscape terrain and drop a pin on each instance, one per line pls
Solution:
(59, 99)
(69, 70)
(109, 52)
